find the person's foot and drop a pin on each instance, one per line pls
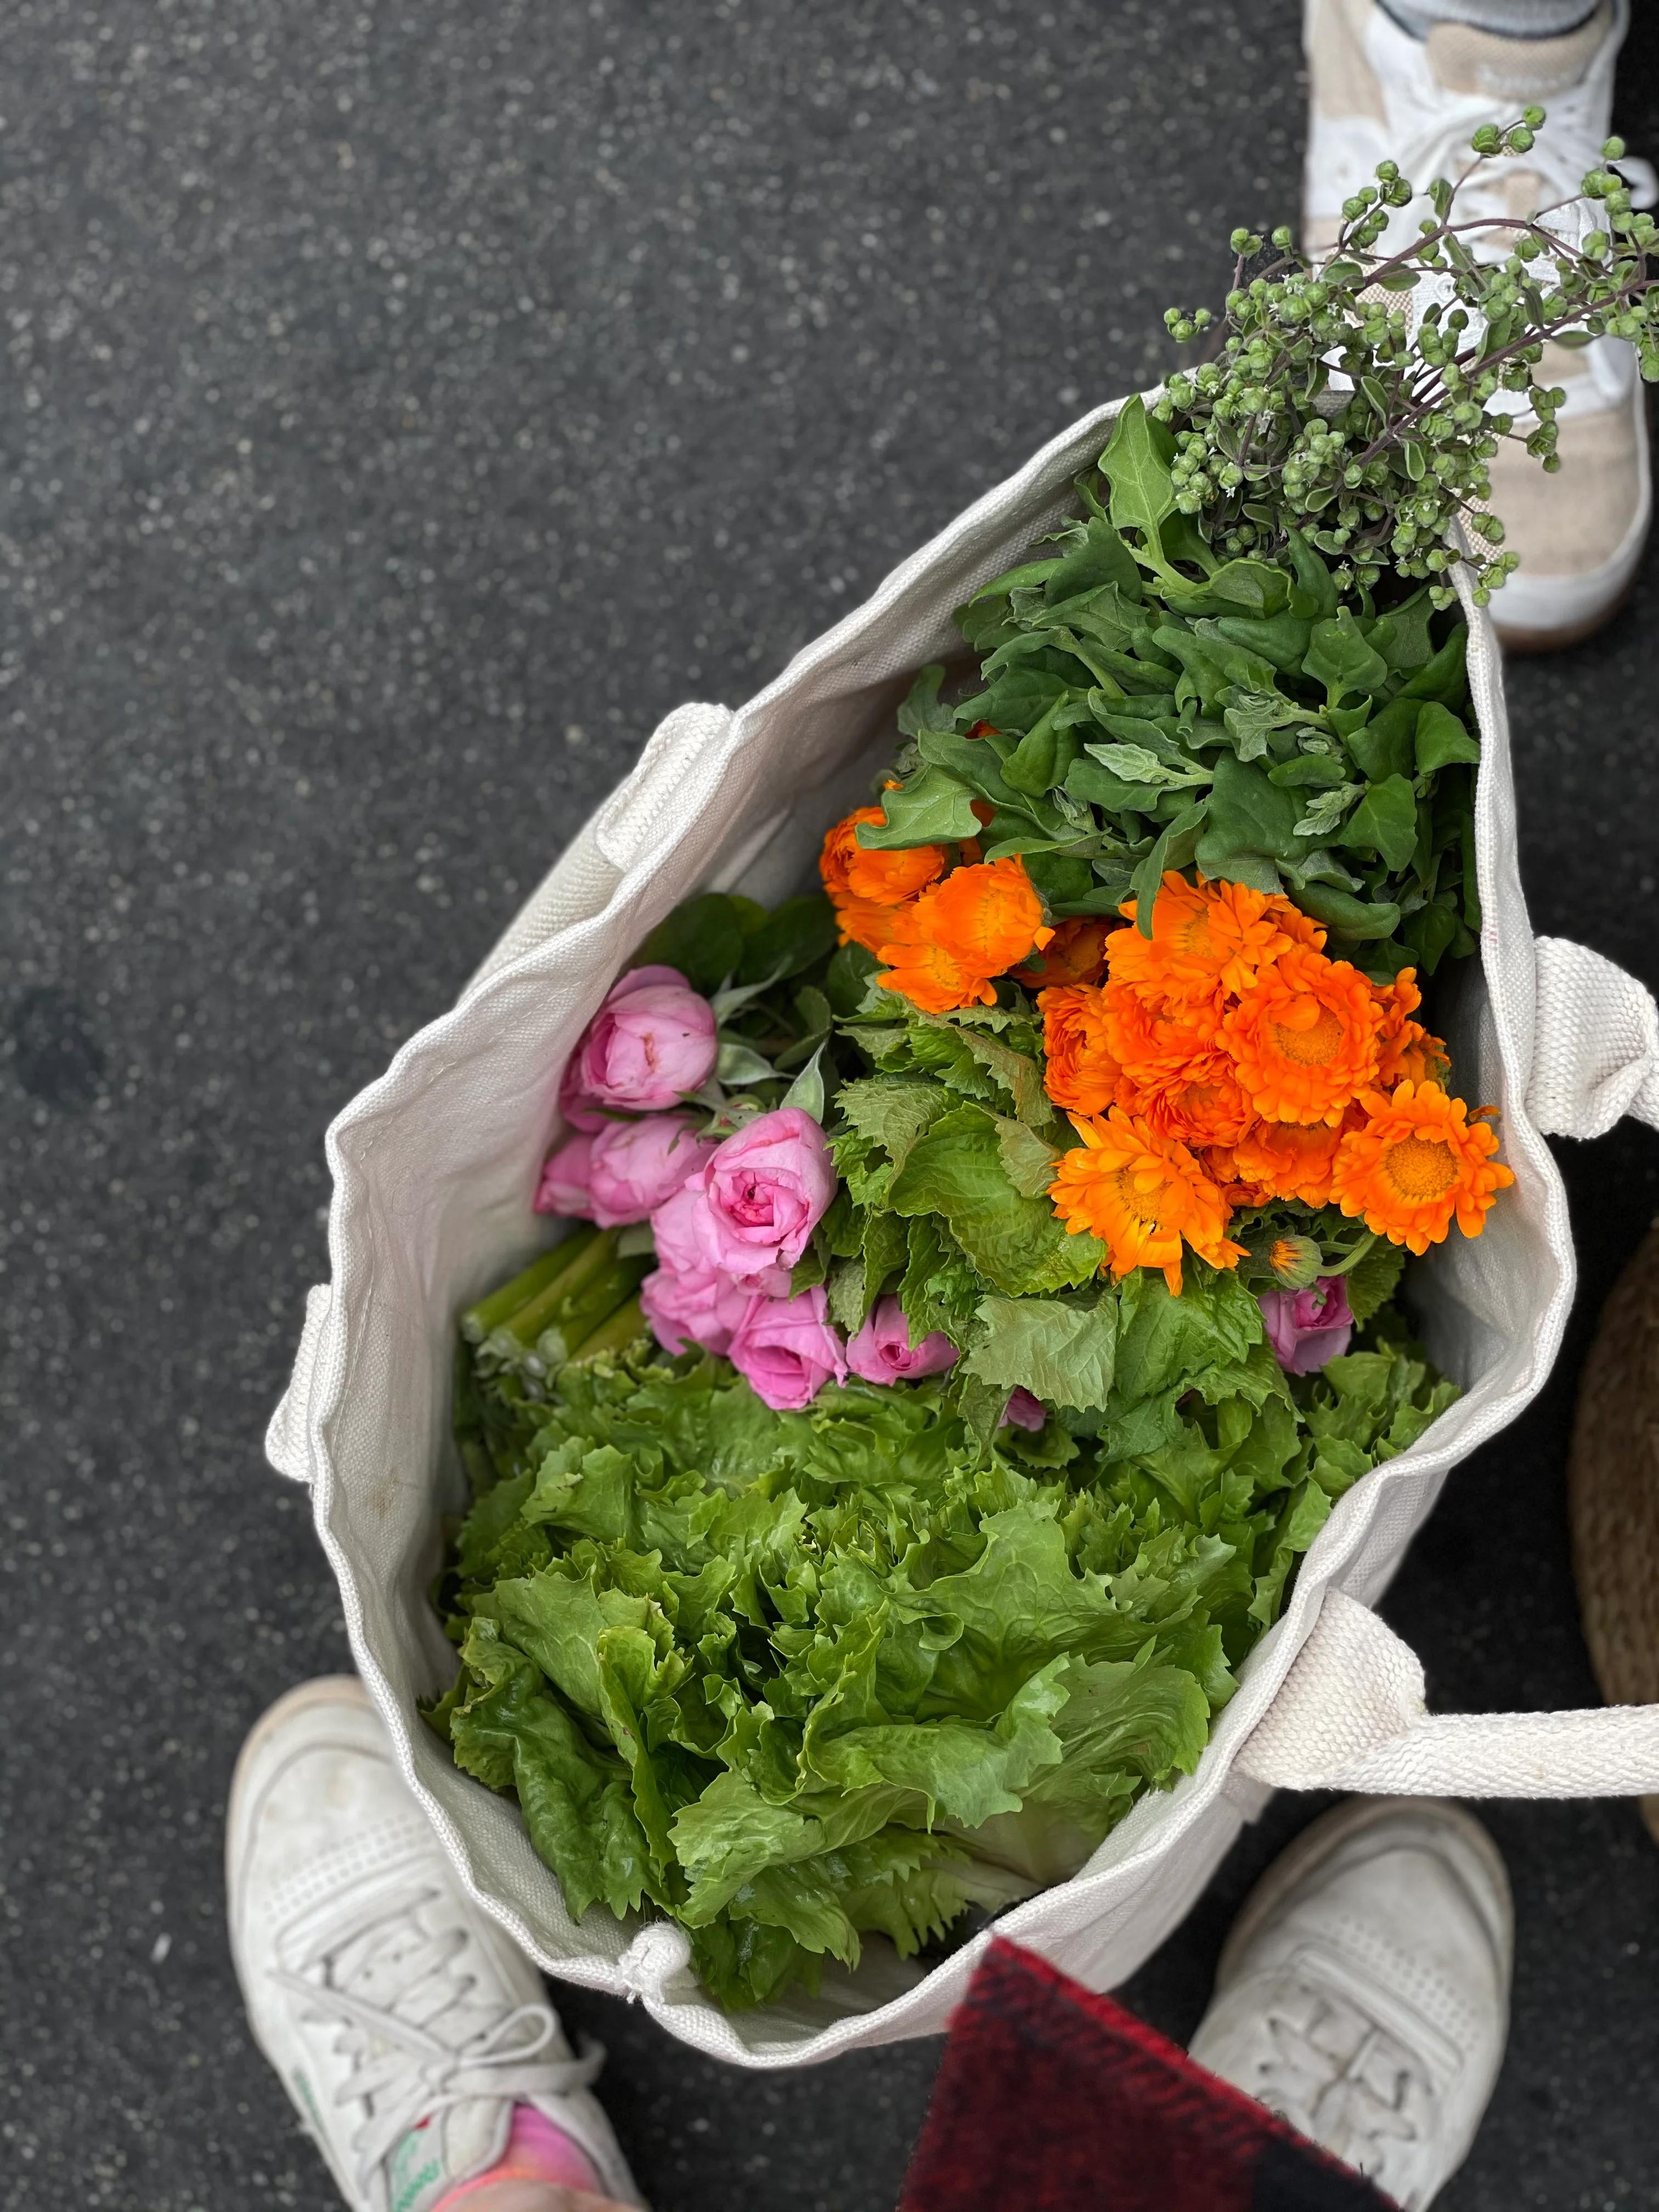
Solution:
(1376, 92)
(1364, 1992)
(415, 2043)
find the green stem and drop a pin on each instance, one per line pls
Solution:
(625, 1327)
(1354, 1257)
(596, 1252)
(587, 1310)
(501, 1305)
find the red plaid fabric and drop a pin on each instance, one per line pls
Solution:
(1053, 2099)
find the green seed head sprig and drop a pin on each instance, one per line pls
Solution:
(1327, 406)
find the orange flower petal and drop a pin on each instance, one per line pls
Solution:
(1290, 1159)
(932, 978)
(1082, 1074)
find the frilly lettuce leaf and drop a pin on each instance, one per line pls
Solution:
(804, 1679)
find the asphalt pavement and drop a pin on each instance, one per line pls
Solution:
(405, 405)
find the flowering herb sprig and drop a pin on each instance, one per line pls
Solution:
(1335, 405)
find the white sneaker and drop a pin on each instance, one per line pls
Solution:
(1377, 92)
(404, 2023)
(1364, 1992)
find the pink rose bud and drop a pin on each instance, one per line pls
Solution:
(1022, 1411)
(882, 1351)
(636, 1165)
(651, 1042)
(701, 1309)
(563, 1188)
(1307, 1328)
(788, 1350)
(766, 1190)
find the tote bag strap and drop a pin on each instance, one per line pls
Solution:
(1595, 1044)
(1352, 1713)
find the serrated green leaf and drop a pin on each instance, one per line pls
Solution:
(1063, 1354)
(1373, 1279)
(1028, 1157)
(1017, 1244)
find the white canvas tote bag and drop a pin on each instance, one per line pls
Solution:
(436, 1164)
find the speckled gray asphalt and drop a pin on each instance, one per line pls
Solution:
(405, 405)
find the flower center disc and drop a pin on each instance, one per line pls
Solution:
(1310, 1037)
(1420, 1167)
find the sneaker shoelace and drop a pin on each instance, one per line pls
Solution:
(418, 2039)
(1344, 2081)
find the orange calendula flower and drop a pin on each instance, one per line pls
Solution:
(1199, 1103)
(1419, 1161)
(1220, 1163)
(1082, 1074)
(1304, 1038)
(1075, 954)
(1406, 1051)
(1209, 942)
(948, 944)
(1290, 1159)
(863, 922)
(932, 977)
(1144, 1196)
(1149, 1043)
(866, 887)
(988, 917)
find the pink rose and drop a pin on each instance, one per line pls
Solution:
(1307, 1328)
(651, 1042)
(636, 1165)
(882, 1351)
(764, 1190)
(788, 1350)
(703, 1308)
(683, 1240)
(1022, 1411)
(563, 1187)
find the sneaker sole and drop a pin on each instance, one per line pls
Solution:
(1523, 643)
(1326, 1836)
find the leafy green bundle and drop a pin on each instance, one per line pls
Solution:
(1132, 717)
(796, 1678)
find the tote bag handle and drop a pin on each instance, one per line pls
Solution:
(1352, 1713)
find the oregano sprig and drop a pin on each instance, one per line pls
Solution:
(1330, 407)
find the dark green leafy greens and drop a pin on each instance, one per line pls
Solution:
(1133, 716)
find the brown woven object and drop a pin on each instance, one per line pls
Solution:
(1613, 1492)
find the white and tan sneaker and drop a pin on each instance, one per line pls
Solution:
(1364, 1992)
(1377, 92)
(404, 2025)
